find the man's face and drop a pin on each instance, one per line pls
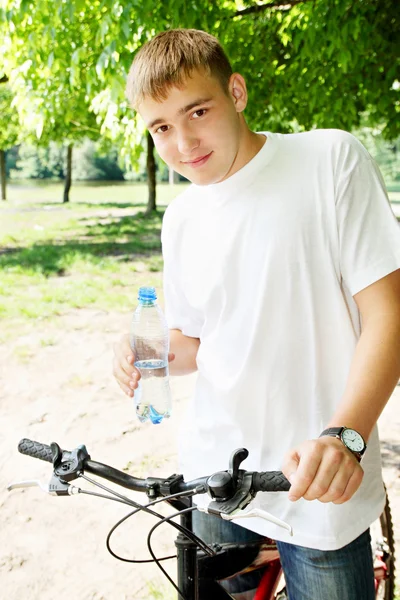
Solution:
(197, 129)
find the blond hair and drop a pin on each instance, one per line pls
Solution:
(169, 58)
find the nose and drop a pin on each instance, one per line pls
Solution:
(187, 141)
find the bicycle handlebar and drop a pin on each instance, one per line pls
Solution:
(44, 452)
(35, 449)
(268, 481)
(231, 491)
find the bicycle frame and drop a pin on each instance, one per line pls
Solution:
(198, 574)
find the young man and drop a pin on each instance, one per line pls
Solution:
(282, 288)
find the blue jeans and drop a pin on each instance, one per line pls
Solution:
(344, 574)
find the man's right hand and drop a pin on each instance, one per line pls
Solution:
(124, 370)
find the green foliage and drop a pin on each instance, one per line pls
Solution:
(320, 64)
(307, 64)
(9, 122)
(11, 159)
(90, 163)
(386, 153)
(35, 162)
(40, 59)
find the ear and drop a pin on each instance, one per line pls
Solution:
(238, 91)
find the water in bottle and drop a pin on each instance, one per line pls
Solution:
(150, 343)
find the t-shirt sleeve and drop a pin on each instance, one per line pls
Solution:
(369, 234)
(178, 312)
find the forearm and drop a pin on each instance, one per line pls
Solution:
(185, 349)
(374, 372)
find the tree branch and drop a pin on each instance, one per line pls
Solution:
(85, 127)
(275, 6)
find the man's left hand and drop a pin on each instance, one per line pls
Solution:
(322, 469)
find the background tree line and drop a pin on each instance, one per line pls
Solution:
(90, 162)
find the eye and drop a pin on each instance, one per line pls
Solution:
(162, 129)
(199, 113)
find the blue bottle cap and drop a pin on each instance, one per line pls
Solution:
(147, 293)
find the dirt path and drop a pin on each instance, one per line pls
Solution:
(56, 385)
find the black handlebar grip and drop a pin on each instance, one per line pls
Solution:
(270, 481)
(35, 449)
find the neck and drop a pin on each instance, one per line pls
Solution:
(250, 144)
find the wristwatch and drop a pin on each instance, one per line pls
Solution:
(353, 440)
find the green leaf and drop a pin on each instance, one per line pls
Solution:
(126, 30)
(50, 60)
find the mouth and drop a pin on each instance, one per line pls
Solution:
(198, 162)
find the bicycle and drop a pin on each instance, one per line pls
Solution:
(201, 567)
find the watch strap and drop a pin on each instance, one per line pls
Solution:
(332, 431)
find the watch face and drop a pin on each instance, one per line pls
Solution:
(353, 440)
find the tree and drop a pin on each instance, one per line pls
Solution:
(42, 65)
(9, 129)
(87, 46)
(318, 64)
(40, 162)
(95, 162)
(307, 63)
(151, 175)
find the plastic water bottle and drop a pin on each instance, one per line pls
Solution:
(150, 343)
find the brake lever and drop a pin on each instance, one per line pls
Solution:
(257, 512)
(55, 487)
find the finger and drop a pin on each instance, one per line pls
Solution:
(125, 360)
(352, 486)
(336, 487)
(133, 371)
(128, 379)
(171, 356)
(345, 469)
(126, 389)
(290, 464)
(334, 465)
(309, 463)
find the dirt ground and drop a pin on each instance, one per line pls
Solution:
(56, 385)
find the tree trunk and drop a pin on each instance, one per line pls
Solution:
(151, 176)
(3, 174)
(68, 175)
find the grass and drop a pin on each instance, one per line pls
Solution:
(47, 341)
(163, 592)
(23, 354)
(92, 252)
(84, 194)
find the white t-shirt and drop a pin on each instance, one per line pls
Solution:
(262, 268)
